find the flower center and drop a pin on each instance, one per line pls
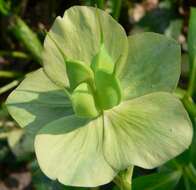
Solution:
(94, 88)
(90, 101)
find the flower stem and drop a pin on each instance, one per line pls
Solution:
(116, 8)
(9, 74)
(189, 105)
(191, 173)
(14, 54)
(9, 86)
(124, 179)
(188, 97)
(186, 183)
(100, 4)
(192, 81)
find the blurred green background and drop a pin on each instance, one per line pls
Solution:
(23, 25)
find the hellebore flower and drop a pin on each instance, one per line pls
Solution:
(102, 101)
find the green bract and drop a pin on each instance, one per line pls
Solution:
(102, 101)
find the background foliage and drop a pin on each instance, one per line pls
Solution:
(23, 25)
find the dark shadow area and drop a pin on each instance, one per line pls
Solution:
(11, 182)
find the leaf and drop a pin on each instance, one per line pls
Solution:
(153, 64)
(37, 101)
(27, 37)
(78, 36)
(158, 181)
(5, 7)
(146, 131)
(158, 19)
(185, 184)
(70, 150)
(170, 166)
(191, 36)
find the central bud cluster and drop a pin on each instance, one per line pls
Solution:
(93, 88)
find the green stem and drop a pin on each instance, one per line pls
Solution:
(9, 74)
(186, 182)
(192, 81)
(189, 105)
(180, 93)
(124, 179)
(187, 99)
(23, 33)
(191, 172)
(9, 86)
(116, 8)
(14, 54)
(100, 4)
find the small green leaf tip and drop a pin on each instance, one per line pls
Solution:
(103, 101)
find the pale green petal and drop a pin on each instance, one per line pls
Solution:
(78, 35)
(37, 101)
(70, 150)
(153, 64)
(146, 131)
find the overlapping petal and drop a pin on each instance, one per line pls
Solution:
(153, 64)
(146, 131)
(37, 101)
(77, 35)
(70, 150)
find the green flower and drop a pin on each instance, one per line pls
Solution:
(102, 101)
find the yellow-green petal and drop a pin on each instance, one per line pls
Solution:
(153, 65)
(70, 150)
(146, 131)
(77, 35)
(37, 101)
